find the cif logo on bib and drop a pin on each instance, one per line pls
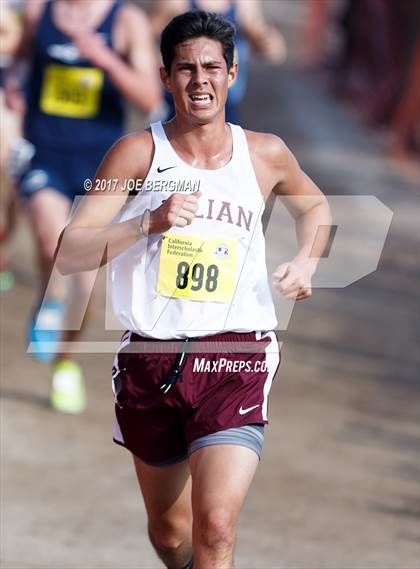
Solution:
(222, 251)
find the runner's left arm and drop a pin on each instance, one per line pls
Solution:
(133, 68)
(311, 212)
(278, 171)
(10, 32)
(265, 39)
(17, 72)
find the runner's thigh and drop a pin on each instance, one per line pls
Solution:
(221, 477)
(166, 490)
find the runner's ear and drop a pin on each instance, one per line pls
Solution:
(232, 73)
(164, 77)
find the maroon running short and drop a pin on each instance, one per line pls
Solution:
(224, 383)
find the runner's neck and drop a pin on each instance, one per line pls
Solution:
(207, 146)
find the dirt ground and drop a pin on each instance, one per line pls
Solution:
(338, 484)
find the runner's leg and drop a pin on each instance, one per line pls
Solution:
(48, 212)
(167, 496)
(221, 476)
(79, 308)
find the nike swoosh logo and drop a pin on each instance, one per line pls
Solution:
(160, 170)
(247, 410)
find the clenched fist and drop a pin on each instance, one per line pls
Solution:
(178, 211)
(293, 280)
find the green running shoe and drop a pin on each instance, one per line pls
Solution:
(7, 280)
(68, 393)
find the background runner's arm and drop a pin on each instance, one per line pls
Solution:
(163, 11)
(18, 70)
(265, 39)
(10, 32)
(137, 79)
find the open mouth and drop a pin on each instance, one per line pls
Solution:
(201, 99)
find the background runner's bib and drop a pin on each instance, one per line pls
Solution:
(71, 91)
(209, 276)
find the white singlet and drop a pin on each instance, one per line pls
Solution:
(207, 277)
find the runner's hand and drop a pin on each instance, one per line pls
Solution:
(293, 280)
(14, 97)
(93, 48)
(270, 43)
(178, 211)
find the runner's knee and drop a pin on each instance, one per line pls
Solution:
(168, 536)
(216, 528)
(46, 235)
(47, 245)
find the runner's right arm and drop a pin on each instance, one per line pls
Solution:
(132, 65)
(91, 239)
(10, 32)
(265, 39)
(163, 11)
(18, 70)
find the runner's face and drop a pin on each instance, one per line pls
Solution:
(199, 79)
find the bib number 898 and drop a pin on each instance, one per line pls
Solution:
(197, 276)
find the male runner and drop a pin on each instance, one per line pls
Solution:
(86, 57)
(188, 269)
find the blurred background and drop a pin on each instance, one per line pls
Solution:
(338, 486)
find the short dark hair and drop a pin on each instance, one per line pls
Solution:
(195, 24)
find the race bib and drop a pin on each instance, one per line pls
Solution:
(196, 268)
(71, 91)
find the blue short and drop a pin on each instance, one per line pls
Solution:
(61, 170)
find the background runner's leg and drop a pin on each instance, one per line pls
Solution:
(48, 212)
(221, 476)
(167, 496)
